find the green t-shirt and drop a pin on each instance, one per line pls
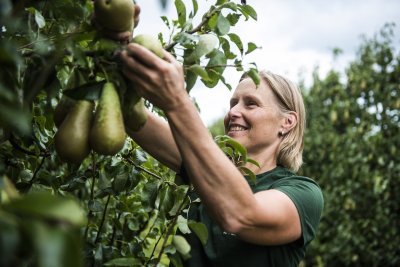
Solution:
(224, 249)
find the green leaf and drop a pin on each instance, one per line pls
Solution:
(183, 225)
(181, 10)
(200, 71)
(233, 18)
(206, 44)
(184, 38)
(128, 261)
(190, 79)
(166, 21)
(251, 47)
(149, 194)
(7, 190)
(10, 238)
(119, 182)
(253, 74)
(56, 246)
(166, 199)
(47, 206)
(213, 21)
(223, 25)
(5, 9)
(252, 161)
(237, 147)
(88, 91)
(200, 230)
(215, 67)
(221, 2)
(12, 116)
(237, 41)
(39, 19)
(95, 205)
(249, 173)
(195, 7)
(247, 11)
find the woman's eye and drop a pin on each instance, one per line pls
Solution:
(232, 104)
(251, 103)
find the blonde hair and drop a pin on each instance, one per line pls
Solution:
(290, 151)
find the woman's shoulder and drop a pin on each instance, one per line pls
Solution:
(283, 177)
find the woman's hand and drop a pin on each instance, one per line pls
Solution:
(161, 81)
(121, 37)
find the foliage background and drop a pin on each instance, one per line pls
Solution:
(352, 149)
(125, 210)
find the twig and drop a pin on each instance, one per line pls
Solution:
(170, 228)
(36, 171)
(114, 230)
(142, 169)
(103, 218)
(18, 147)
(91, 193)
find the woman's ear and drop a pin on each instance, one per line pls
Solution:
(290, 121)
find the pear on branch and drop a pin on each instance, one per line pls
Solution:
(107, 135)
(134, 111)
(62, 109)
(150, 42)
(115, 15)
(72, 138)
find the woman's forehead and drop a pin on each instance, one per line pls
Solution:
(249, 87)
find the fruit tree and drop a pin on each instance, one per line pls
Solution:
(75, 190)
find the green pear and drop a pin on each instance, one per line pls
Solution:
(150, 42)
(115, 15)
(134, 111)
(62, 109)
(107, 136)
(72, 138)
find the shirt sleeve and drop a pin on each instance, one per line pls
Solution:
(308, 199)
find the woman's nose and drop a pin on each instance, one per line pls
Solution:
(234, 111)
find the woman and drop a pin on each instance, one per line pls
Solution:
(268, 223)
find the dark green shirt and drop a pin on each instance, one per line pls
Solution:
(224, 249)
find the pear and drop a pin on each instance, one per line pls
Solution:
(115, 15)
(150, 42)
(62, 109)
(107, 136)
(134, 111)
(72, 138)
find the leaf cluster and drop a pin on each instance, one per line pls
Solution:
(126, 209)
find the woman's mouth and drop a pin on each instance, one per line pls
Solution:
(235, 128)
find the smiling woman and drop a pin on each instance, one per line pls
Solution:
(275, 99)
(267, 223)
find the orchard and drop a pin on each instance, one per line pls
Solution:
(75, 189)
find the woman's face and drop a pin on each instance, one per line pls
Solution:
(254, 119)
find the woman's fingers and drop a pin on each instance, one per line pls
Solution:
(133, 67)
(144, 55)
